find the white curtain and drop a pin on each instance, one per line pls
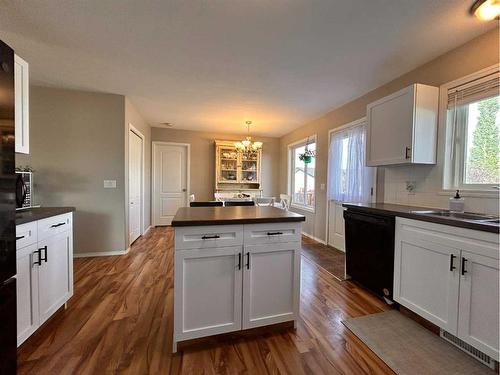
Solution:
(349, 179)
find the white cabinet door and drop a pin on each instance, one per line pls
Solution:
(55, 275)
(21, 82)
(271, 284)
(208, 284)
(27, 292)
(390, 122)
(426, 279)
(478, 310)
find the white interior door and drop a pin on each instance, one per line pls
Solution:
(135, 186)
(336, 225)
(170, 181)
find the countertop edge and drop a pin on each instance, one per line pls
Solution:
(38, 213)
(427, 218)
(198, 223)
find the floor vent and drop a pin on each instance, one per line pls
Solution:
(479, 355)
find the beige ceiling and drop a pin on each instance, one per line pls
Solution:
(212, 64)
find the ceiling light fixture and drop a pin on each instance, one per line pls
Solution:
(246, 146)
(486, 10)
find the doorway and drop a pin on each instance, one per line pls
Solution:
(170, 180)
(349, 180)
(135, 183)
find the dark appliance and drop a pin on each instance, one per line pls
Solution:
(369, 240)
(24, 189)
(8, 323)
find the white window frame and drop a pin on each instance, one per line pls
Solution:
(453, 177)
(291, 169)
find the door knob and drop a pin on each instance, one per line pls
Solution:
(184, 190)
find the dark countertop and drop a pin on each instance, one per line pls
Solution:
(409, 212)
(38, 213)
(194, 216)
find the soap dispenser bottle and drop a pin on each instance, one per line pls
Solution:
(457, 203)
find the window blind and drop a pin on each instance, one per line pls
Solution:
(481, 88)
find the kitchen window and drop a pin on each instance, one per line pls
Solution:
(302, 175)
(472, 133)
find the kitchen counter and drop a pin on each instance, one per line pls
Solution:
(38, 213)
(196, 216)
(236, 268)
(409, 212)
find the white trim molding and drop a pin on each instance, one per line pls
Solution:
(101, 254)
(323, 242)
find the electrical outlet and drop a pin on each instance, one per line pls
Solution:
(110, 184)
(322, 187)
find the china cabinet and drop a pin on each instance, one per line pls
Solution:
(236, 171)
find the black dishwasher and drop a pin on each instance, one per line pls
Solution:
(369, 240)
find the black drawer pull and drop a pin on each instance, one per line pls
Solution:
(463, 266)
(452, 267)
(239, 261)
(19, 238)
(45, 257)
(248, 260)
(274, 233)
(210, 237)
(57, 225)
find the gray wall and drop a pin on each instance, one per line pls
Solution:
(203, 159)
(76, 142)
(134, 118)
(475, 55)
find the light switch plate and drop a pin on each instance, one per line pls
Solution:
(110, 184)
(322, 187)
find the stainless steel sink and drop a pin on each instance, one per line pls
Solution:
(460, 215)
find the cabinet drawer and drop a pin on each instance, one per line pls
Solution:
(269, 233)
(208, 236)
(53, 225)
(26, 234)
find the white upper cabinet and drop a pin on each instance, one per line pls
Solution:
(21, 79)
(402, 127)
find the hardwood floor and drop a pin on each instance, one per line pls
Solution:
(120, 321)
(331, 259)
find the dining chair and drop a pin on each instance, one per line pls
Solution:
(239, 203)
(205, 204)
(264, 201)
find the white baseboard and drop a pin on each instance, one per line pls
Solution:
(314, 238)
(101, 254)
(147, 230)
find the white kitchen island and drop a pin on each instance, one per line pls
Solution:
(236, 268)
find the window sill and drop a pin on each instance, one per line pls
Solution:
(472, 193)
(303, 208)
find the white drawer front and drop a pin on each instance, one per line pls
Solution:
(269, 233)
(208, 236)
(53, 225)
(26, 234)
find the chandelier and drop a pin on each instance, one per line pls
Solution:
(246, 146)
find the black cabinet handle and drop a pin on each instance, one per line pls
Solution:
(463, 266)
(407, 153)
(19, 238)
(452, 267)
(45, 257)
(210, 237)
(248, 260)
(274, 233)
(57, 225)
(39, 261)
(239, 261)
